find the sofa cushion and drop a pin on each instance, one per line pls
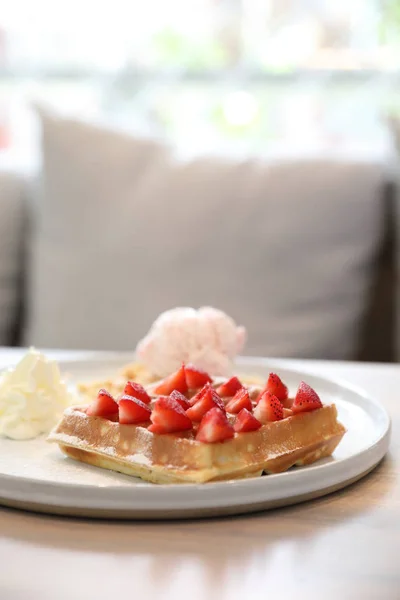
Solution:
(126, 230)
(12, 223)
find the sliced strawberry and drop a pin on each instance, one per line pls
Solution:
(245, 421)
(240, 400)
(203, 391)
(132, 410)
(137, 391)
(229, 388)
(113, 418)
(269, 408)
(176, 381)
(199, 394)
(156, 429)
(214, 427)
(181, 399)
(103, 406)
(196, 378)
(306, 399)
(276, 386)
(217, 398)
(169, 416)
(208, 400)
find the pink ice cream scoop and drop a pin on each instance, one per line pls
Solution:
(207, 337)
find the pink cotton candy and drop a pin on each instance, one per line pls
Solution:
(207, 337)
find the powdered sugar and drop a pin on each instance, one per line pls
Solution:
(139, 459)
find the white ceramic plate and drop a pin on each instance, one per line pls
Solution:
(35, 475)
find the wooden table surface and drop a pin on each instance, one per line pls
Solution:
(343, 546)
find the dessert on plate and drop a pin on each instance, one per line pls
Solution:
(206, 337)
(33, 397)
(195, 427)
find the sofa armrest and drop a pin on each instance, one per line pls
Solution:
(12, 239)
(377, 340)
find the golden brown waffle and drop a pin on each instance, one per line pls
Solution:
(133, 372)
(178, 458)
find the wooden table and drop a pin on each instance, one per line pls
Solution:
(343, 546)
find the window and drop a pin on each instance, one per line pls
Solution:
(227, 73)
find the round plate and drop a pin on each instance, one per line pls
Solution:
(35, 475)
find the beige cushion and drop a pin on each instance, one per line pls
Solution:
(125, 230)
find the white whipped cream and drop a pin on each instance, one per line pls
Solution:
(207, 337)
(32, 397)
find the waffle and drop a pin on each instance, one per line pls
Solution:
(178, 458)
(133, 371)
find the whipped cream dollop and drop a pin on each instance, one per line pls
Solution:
(32, 397)
(206, 337)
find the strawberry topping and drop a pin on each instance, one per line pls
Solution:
(269, 408)
(103, 406)
(306, 399)
(132, 410)
(276, 386)
(196, 378)
(137, 391)
(229, 388)
(176, 381)
(156, 429)
(214, 427)
(169, 416)
(181, 399)
(209, 399)
(245, 421)
(240, 400)
(199, 395)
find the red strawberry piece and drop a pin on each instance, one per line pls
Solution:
(306, 399)
(103, 406)
(245, 421)
(196, 378)
(229, 388)
(132, 410)
(181, 399)
(137, 391)
(276, 386)
(199, 394)
(156, 428)
(203, 391)
(207, 401)
(278, 389)
(169, 416)
(113, 418)
(176, 381)
(240, 400)
(217, 398)
(214, 427)
(269, 408)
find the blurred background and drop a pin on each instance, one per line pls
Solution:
(241, 79)
(245, 73)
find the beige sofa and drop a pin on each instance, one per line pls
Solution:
(115, 229)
